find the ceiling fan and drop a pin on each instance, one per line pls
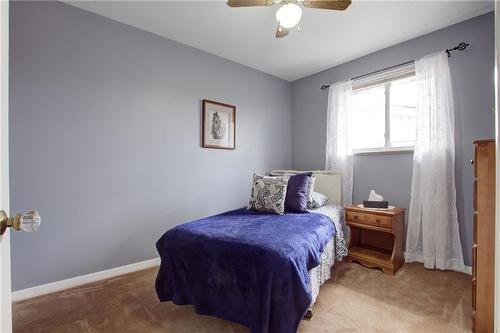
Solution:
(290, 11)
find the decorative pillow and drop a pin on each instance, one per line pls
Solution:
(268, 194)
(297, 193)
(317, 200)
(311, 188)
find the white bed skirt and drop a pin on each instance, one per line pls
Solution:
(321, 273)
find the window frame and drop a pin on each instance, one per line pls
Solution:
(384, 78)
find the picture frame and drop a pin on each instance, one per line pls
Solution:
(218, 125)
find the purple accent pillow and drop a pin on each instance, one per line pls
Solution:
(297, 193)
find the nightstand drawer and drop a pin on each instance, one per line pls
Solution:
(378, 220)
(355, 217)
(382, 221)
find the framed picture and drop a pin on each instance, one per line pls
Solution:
(219, 125)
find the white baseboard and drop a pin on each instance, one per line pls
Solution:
(83, 279)
(76, 281)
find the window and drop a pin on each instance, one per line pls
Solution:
(384, 115)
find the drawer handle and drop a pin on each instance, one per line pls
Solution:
(377, 220)
(355, 217)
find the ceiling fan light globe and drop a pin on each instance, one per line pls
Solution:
(289, 15)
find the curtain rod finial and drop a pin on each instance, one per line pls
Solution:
(460, 47)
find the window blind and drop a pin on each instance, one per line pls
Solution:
(385, 76)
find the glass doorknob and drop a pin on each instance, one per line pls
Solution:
(29, 221)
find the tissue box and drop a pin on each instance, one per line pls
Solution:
(375, 204)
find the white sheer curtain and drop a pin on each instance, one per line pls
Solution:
(432, 234)
(338, 145)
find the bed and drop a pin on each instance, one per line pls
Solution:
(257, 269)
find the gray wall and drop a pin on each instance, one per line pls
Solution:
(105, 139)
(390, 174)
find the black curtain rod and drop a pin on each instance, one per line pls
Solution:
(460, 47)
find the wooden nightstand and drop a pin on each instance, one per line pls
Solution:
(377, 237)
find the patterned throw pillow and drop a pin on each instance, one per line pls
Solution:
(317, 200)
(310, 191)
(268, 194)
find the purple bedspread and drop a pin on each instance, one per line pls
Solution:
(247, 267)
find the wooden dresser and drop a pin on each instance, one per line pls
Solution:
(377, 237)
(483, 250)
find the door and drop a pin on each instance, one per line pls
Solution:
(5, 292)
(497, 195)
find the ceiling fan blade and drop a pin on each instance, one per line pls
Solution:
(327, 4)
(249, 3)
(281, 32)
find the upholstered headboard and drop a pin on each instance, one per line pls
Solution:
(327, 182)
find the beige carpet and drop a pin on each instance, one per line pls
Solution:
(356, 299)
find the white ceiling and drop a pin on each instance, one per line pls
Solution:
(327, 38)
